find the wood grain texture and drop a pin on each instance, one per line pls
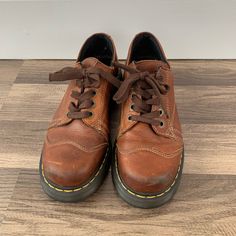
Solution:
(37, 71)
(206, 104)
(8, 72)
(204, 72)
(32, 102)
(210, 149)
(8, 178)
(205, 203)
(21, 144)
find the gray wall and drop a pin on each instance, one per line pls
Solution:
(56, 29)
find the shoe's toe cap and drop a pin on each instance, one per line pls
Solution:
(146, 172)
(69, 166)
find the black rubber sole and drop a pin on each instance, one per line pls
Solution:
(140, 200)
(79, 193)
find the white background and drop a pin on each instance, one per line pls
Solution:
(56, 29)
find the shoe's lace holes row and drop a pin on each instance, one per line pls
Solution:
(93, 104)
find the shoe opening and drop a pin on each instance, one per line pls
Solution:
(146, 47)
(99, 46)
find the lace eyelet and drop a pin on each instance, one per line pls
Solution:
(167, 87)
(132, 95)
(93, 104)
(161, 112)
(90, 114)
(129, 118)
(94, 93)
(162, 124)
(132, 107)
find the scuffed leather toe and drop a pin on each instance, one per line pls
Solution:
(68, 166)
(146, 172)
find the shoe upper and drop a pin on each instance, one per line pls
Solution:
(78, 135)
(149, 144)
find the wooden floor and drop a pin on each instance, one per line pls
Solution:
(205, 203)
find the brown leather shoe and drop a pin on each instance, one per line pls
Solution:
(75, 156)
(149, 150)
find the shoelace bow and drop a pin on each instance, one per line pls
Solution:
(147, 90)
(85, 78)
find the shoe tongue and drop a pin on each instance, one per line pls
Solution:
(94, 62)
(148, 65)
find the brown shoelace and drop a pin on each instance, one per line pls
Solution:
(85, 78)
(147, 90)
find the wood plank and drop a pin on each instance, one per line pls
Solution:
(37, 71)
(204, 72)
(210, 149)
(206, 104)
(8, 72)
(204, 205)
(21, 143)
(32, 102)
(8, 178)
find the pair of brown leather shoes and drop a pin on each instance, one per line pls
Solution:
(147, 158)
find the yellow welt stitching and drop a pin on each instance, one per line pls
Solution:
(150, 196)
(76, 189)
